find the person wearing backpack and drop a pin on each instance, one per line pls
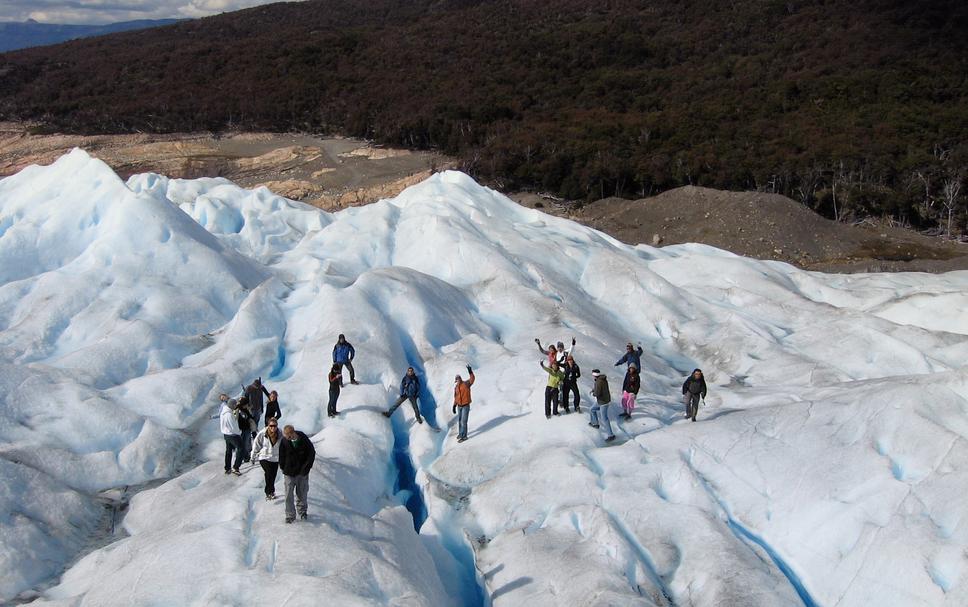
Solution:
(630, 388)
(692, 389)
(603, 398)
(265, 451)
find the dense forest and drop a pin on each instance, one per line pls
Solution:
(853, 107)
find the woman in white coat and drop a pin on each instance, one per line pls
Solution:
(265, 450)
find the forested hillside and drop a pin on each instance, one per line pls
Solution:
(853, 107)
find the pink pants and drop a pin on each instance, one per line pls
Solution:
(628, 402)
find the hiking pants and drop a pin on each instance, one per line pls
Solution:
(567, 388)
(246, 443)
(628, 402)
(270, 469)
(463, 412)
(551, 398)
(333, 397)
(601, 412)
(233, 442)
(349, 365)
(413, 401)
(692, 403)
(300, 486)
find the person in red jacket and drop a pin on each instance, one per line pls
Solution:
(462, 402)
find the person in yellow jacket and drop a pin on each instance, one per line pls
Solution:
(555, 377)
(462, 401)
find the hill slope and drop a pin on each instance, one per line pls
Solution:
(627, 97)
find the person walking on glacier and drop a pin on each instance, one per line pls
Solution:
(693, 388)
(569, 383)
(462, 402)
(273, 411)
(409, 390)
(296, 458)
(229, 425)
(551, 390)
(247, 426)
(265, 451)
(630, 388)
(603, 398)
(343, 355)
(254, 392)
(335, 385)
(633, 356)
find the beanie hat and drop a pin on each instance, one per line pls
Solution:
(596, 372)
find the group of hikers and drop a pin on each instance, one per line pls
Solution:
(293, 452)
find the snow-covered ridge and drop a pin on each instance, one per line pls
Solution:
(827, 468)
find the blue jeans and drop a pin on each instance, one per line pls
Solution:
(601, 411)
(462, 414)
(233, 442)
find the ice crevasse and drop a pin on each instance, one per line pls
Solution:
(827, 467)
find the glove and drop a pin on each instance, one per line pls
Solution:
(455, 409)
(572, 341)
(469, 370)
(537, 341)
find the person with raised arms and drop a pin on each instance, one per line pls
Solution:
(462, 402)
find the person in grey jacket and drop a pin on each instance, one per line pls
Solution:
(265, 450)
(692, 389)
(603, 398)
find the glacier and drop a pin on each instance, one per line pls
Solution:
(827, 467)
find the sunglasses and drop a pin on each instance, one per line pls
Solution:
(273, 426)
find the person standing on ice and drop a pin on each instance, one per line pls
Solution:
(409, 390)
(630, 388)
(603, 398)
(343, 355)
(551, 390)
(335, 385)
(229, 425)
(556, 353)
(296, 458)
(462, 402)
(692, 389)
(272, 408)
(254, 393)
(569, 383)
(247, 425)
(265, 450)
(633, 356)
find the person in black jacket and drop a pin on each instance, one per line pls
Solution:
(272, 407)
(247, 424)
(570, 383)
(630, 388)
(335, 385)
(254, 393)
(692, 389)
(296, 458)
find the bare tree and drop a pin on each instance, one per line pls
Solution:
(950, 193)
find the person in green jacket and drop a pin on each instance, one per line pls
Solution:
(555, 376)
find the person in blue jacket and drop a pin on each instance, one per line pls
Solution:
(409, 390)
(343, 354)
(632, 356)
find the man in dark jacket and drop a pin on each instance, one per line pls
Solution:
(692, 389)
(343, 355)
(296, 458)
(599, 411)
(409, 390)
(569, 383)
(254, 393)
(633, 356)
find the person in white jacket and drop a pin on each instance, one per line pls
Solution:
(229, 425)
(265, 450)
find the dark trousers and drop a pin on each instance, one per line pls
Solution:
(333, 397)
(349, 365)
(270, 469)
(551, 398)
(399, 401)
(567, 388)
(233, 442)
(692, 404)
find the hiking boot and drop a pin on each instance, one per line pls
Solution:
(547, 417)
(419, 420)
(593, 425)
(303, 516)
(227, 471)
(577, 409)
(461, 439)
(694, 419)
(686, 415)
(268, 498)
(236, 472)
(610, 438)
(354, 382)
(387, 414)
(289, 520)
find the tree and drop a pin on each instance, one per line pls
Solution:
(950, 196)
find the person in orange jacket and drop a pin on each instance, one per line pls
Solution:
(462, 401)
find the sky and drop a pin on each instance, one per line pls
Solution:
(110, 11)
